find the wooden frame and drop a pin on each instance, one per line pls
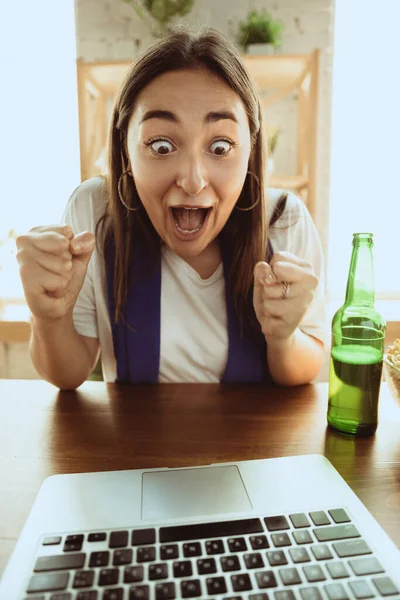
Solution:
(275, 77)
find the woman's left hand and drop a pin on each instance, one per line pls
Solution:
(283, 290)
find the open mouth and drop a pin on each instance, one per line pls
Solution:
(189, 221)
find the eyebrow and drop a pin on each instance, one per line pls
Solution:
(166, 115)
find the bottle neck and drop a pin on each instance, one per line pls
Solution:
(360, 283)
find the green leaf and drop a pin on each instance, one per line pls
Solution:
(259, 28)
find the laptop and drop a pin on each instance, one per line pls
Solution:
(275, 529)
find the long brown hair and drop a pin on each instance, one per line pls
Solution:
(246, 231)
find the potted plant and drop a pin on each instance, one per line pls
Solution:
(259, 34)
(161, 11)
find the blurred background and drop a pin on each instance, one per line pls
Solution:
(327, 73)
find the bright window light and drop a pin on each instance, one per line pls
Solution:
(365, 194)
(38, 121)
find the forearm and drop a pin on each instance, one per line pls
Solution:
(295, 361)
(59, 354)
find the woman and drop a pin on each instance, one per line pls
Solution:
(197, 274)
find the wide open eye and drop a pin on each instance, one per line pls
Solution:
(160, 146)
(221, 147)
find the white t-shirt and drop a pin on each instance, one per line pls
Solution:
(194, 335)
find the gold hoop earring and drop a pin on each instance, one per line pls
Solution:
(258, 198)
(127, 172)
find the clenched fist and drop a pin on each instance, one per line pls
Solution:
(283, 290)
(53, 264)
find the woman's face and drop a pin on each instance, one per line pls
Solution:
(189, 148)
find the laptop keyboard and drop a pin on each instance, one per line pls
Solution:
(319, 555)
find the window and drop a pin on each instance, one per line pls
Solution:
(365, 141)
(38, 121)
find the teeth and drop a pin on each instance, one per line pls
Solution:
(192, 207)
(188, 230)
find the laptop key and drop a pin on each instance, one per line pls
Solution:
(266, 579)
(215, 547)
(108, 577)
(192, 549)
(230, 563)
(361, 589)
(290, 576)
(310, 593)
(169, 552)
(299, 555)
(139, 592)
(314, 573)
(336, 591)
(118, 539)
(366, 566)
(59, 562)
(48, 582)
(336, 532)
(158, 571)
(165, 591)
(190, 588)
(281, 539)
(183, 568)
(284, 595)
(303, 537)
(241, 583)
(200, 531)
(299, 520)
(339, 515)
(206, 566)
(237, 544)
(51, 540)
(258, 542)
(85, 596)
(133, 574)
(276, 558)
(122, 557)
(216, 585)
(73, 543)
(319, 517)
(337, 570)
(145, 537)
(62, 596)
(321, 552)
(36, 598)
(261, 596)
(254, 561)
(83, 579)
(146, 554)
(385, 586)
(113, 594)
(353, 548)
(276, 523)
(97, 537)
(99, 559)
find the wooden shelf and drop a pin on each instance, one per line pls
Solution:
(288, 182)
(275, 76)
(277, 71)
(14, 323)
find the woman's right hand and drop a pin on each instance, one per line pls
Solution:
(53, 264)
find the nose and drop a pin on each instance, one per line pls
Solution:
(191, 177)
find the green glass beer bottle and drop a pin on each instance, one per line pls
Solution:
(358, 336)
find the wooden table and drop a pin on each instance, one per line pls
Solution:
(101, 428)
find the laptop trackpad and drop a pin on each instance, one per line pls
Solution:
(193, 492)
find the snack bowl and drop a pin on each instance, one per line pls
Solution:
(391, 368)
